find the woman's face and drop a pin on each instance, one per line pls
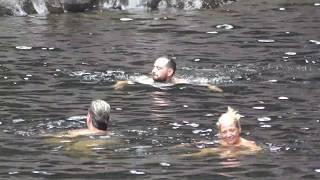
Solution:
(229, 132)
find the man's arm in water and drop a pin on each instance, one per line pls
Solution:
(120, 84)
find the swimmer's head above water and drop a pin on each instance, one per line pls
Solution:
(163, 70)
(98, 115)
(229, 127)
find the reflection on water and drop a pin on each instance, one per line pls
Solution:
(264, 54)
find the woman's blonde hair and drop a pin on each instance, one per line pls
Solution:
(230, 115)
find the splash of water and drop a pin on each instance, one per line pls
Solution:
(40, 7)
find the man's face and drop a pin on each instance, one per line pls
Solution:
(160, 71)
(229, 132)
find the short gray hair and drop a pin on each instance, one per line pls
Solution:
(100, 114)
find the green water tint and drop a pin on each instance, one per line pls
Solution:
(85, 146)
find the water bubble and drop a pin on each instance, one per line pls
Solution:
(316, 4)
(196, 60)
(209, 115)
(314, 41)
(282, 9)
(273, 80)
(266, 40)
(5, 77)
(258, 107)
(263, 119)
(275, 149)
(212, 32)
(283, 98)
(175, 124)
(23, 47)
(165, 164)
(193, 125)
(137, 172)
(65, 141)
(265, 126)
(98, 148)
(317, 170)
(119, 109)
(13, 172)
(291, 53)
(185, 106)
(75, 118)
(125, 19)
(225, 26)
(29, 75)
(18, 120)
(200, 146)
(197, 131)
(51, 48)
(42, 172)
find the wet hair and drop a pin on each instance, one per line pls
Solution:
(170, 64)
(100, 114)
(232, 115)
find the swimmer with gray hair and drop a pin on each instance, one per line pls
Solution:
(97, 120)
(163, 71)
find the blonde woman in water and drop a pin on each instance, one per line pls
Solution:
(231, 143)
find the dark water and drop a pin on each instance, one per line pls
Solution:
(267, 56)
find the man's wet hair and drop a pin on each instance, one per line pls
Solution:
(171, 64)
(100, 114)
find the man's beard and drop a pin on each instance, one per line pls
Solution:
(158, 79)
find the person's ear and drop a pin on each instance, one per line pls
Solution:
(170, 72)
(89, 120)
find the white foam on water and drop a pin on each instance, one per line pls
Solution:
(266, 40)
(42, 172)
(291, 53)
(125, 19)
(75, 118)
(258, 107)
(40, 7)
(23, 47)
(264, 119)
(265, 126)
(314, 41)
(283, 98)
(193, 125)
(18, 120)
(224, 26)
(137, 172)
(165, 164)
(212, 32)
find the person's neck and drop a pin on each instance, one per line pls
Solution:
(95, 130)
